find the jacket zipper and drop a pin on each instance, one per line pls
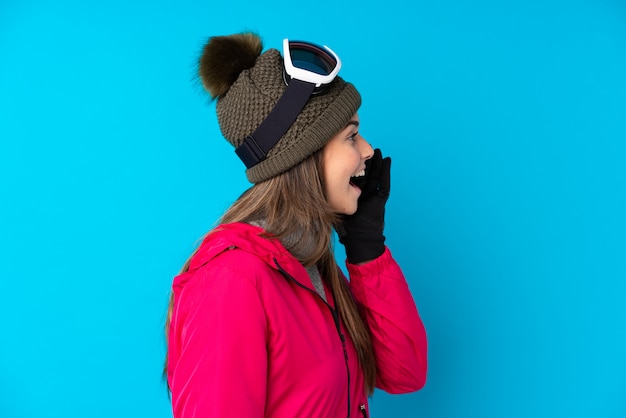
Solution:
(335, 315)
(363, 410)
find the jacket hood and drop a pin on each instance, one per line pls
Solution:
(248, 238)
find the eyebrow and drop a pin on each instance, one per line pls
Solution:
(354, 123)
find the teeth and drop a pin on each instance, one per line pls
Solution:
(360, 174)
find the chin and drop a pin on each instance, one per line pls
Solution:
(344, 206)
(349, 210)
(345, 210)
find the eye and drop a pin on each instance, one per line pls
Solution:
(353, 136)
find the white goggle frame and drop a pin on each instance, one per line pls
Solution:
(306, 75)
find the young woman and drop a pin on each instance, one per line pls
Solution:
(262, 322)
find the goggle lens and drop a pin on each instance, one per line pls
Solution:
(311, 58)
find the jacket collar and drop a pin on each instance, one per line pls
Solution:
(249, 238)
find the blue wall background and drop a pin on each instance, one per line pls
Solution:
(506, 124)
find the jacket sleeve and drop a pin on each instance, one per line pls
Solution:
(217, 356)
(398, 334)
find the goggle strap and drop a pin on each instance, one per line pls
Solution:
(256, 146)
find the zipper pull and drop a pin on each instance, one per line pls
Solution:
(363, 410)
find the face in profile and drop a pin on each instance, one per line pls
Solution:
(344, 157)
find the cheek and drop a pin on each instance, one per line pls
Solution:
(340, 162)
(334, 184)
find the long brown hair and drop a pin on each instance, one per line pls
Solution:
(294, 204)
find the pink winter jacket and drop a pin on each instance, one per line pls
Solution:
(250, 337)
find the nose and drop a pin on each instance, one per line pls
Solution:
(365, 148)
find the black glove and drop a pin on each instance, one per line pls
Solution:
(362, 232)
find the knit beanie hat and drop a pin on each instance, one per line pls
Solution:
(247, 84)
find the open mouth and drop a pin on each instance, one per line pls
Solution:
(357, 179)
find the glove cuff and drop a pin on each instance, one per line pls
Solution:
(363, 247)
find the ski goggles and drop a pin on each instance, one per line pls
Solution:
(309, 62)
(308, 70)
